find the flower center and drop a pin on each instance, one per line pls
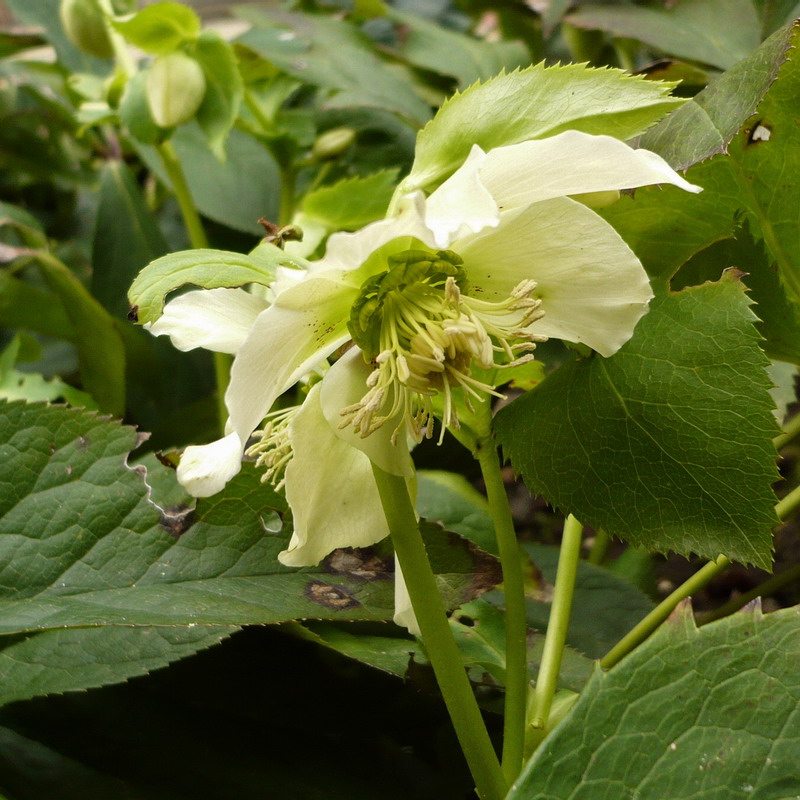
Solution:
(423, 333)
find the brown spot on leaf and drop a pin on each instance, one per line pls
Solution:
(334, 597)
(177, 520)
(133, 314)
(358, 562)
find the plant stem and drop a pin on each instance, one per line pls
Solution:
(122, 54)
(516, 623)
(790, 430)
(787, 506)
(174, 170)
(556, 636)
(641, 631)
(438, 637)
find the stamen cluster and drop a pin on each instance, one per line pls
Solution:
(424, 334)
(273, 448)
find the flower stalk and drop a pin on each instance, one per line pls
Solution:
(516, 624)
(438, 637)
(555, 640)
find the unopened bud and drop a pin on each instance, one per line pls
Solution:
(333, 143)
(85, 26)
(176, 87)
(598, 199)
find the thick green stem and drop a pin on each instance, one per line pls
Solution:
(199, 241)
(547, 680)
(438, 637)
(516, 624)
(122, 54)
(174, 170)
(635, 637)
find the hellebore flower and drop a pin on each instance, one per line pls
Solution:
(497, 258)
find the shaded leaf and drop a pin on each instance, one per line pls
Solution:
(692, 29)
(333, 55)
(126, 237)
(714, 712)
(667, 444)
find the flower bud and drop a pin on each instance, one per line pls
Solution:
(333, 143)
(85, 27)
(176, 86)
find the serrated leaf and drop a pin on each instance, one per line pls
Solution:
(707, 123)
(224, 90)
(332, 54)
(80, 545)
(692, 29)
(207, 269)
(714, 713)
(533, 103)
(351, 203)
(667, 444)
(779, 317)
(160, 28)
(59, 661)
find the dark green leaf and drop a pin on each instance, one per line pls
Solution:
(706, 124)
(80, 545)
(135, 114)
(13, 43)
(25, 306)
(667, 444)
(692, 29)
(58, 661)
(126, 237)
(160, 28)
(713, 713)
(236, 192)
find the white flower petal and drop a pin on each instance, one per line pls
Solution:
(204, 470)
(284, 344)
(462, 204)
(344, 385)
(217, 319)
(571, 163)
(593, 288)
(403, 611)
(331, 490)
